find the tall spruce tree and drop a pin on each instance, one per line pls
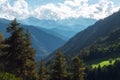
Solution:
(42, 71)
(59, 67)
(77, 69)
(20, 53)
(28, 69)
(13, 42)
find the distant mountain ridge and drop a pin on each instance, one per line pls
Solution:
(43, 42)
(66, 28)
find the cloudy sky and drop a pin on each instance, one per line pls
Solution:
(57, 9)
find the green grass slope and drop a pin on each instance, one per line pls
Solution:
(105, 63)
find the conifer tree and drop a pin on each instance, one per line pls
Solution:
(78, 69)
(59, 67)
(13, 41)
(28, 69)
(20, 53)
(42, 71)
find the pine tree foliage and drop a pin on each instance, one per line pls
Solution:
(8, 76)
(20, 53)
(78, 69)
(42, 71)
(59, 67)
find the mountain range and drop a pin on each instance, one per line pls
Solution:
(66, 28)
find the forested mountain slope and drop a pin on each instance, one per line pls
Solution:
(93, 33)
(89, 36)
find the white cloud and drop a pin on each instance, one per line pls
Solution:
(102, 9)
(68, 9)
(19, 9)
(76, 8)
(61, 11)
(75, 3)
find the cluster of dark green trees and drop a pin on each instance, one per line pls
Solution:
(58, 69)
(110, 72)
(17, 60)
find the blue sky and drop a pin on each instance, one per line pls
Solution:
(116, 2)
(43, 2)
(58, 9)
